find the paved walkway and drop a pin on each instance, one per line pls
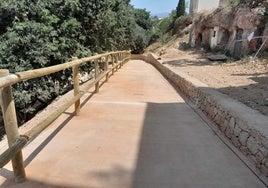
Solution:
(136, 133)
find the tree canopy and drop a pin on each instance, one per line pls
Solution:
(41, 33)
(180, 10)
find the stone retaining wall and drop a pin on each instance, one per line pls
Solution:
(246, 128)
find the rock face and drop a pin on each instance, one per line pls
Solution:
(233, 30)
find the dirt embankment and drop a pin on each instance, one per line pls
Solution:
(242, 80)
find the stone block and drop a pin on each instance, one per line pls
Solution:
(215, 110)
(223, 128)
(232, 123)
(207, 108)
(252, 145)
(244, 150)
(228, 132)
(217, 119)
(243, 137)
(225, 122)
(264, 170)
(235, 141)
(208, 99)
(259, 157)
(264, 151)
(237, 131)
(204, 101)
(256, 135)
(210, 112)
(228, 115)
(253, 159)
(241, 124)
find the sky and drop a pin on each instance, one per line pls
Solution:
(156, 6)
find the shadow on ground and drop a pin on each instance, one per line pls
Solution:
(176, 151)
(158, 163)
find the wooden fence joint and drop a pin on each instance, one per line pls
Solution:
(11, 127)
(76, 86)
(15, 141)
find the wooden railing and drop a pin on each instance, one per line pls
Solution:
(112, 61)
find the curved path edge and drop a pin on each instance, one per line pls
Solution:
(245, 128)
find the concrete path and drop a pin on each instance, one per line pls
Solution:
(136, 133)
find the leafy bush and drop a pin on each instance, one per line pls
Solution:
(139, 44)
(36, 34)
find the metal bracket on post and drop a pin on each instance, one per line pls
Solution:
(76, 86)
(11, 127)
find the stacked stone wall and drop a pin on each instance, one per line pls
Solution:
(246, 128)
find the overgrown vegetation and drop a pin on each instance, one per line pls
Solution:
(172, 25)
(41, 33)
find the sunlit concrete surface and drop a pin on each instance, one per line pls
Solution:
(137, 132)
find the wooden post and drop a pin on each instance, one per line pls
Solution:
(76, 86)
(116, 62)
(5, 157)
(11, 127)
(97, 85)
(121, 60)
(106, 67)
(112, 56)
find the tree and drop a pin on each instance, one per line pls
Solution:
(142, 18)
(180, 10)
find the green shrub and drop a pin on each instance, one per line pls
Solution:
(37, 34)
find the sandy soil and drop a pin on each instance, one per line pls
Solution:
(242, 80)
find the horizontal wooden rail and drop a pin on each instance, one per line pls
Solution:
(22, 140)
(11, 79)
(16, 143)
(19, 143)
(44, 124)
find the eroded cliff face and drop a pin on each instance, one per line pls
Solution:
(236, 31)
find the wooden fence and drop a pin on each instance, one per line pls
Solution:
(112, 61)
